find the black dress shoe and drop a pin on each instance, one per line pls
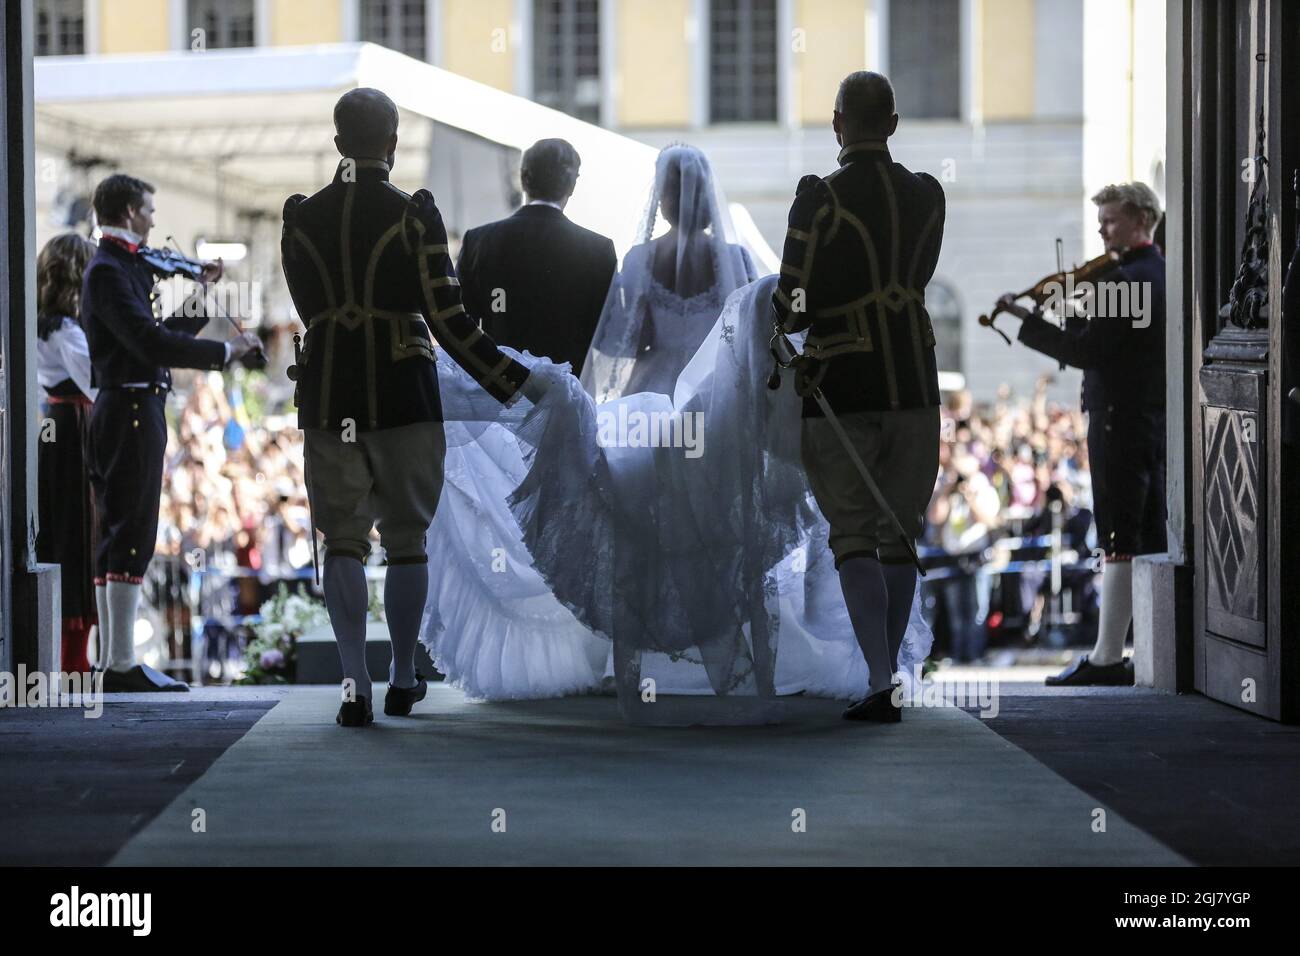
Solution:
(1084, 673)
(355, 713)
(878, 707)
(399, 700)
(141, 679)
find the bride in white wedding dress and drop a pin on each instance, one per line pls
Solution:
(651, 528)
(671, 288)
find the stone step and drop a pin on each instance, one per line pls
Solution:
(318, 656)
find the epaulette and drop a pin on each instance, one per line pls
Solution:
(290, 216)
(420, 212)
(808, 182)
(812, 196)
(291, 207)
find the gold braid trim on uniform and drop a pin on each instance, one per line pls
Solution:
(803, 272)
(326, 376)
(327, 286)
(461, 347)
(372, 267)
(891, 373)
(857, 334)
(403, 327)
(349, 295)
(911, 306)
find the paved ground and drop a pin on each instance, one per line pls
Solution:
(1179, 780)
(577, 786)
(74, 790)
(1212, 781)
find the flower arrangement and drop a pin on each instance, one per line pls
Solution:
(270, 654)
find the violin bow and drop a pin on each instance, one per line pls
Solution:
(221, 313)
(1060, 270)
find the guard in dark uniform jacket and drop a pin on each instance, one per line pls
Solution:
(1123, 360)
(861, 246)
(370, 275)
(131, 354)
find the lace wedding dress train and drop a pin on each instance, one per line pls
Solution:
(698, 579)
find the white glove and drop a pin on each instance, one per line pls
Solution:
(535, 386)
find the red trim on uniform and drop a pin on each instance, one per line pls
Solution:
(128, 246)
(128, 578)
(98, 582)
(73, 639)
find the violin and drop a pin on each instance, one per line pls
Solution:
(1091, 271)
(165, 263)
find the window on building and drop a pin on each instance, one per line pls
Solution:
(742, 61)
(566, 56)
(225, 23)
(925, 58)
(397, 24)
(945, 317)
(60, 27)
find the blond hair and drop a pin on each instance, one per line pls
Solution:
(1136, 197)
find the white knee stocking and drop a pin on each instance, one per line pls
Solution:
(346, 598)
(1116, 613)
(867, 598)
(405, 589)
(117, 648)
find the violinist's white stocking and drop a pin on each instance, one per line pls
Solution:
(1116, 613)
(122, 599)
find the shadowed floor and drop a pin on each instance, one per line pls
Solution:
(1180, 779)
(572, 784)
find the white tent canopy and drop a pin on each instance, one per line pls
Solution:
(256, 125)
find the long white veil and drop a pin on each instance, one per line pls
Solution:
(685, 262)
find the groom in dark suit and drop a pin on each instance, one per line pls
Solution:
(537, 280)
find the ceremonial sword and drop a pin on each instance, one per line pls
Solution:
(781, 342)
(294, 374)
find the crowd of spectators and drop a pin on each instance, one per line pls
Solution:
(1010, 472)
(234, 499)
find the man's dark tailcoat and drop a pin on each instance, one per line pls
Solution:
(553, 276)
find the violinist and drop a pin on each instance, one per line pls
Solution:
(1122, 354)
(131, 355)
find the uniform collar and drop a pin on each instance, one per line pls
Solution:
(865, 149)
(366, 169)
(543, 209)
(121, 237)
(1143, 251)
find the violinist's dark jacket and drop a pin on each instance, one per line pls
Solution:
(368, 269)
(130, 352)
(1123, 362)
(861, 246)
(128, 345)
(1122, 356)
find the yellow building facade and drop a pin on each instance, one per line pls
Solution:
(649, 48)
